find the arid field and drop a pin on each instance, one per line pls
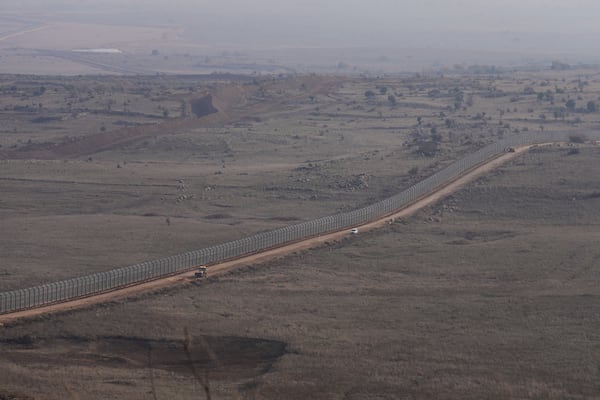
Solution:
(489, 294)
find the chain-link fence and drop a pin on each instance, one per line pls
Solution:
(118, 278)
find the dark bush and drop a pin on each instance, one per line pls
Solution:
(577, 138)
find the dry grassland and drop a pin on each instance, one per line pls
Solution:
(491, 293)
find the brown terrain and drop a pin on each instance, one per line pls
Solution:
(490, 292)
(263, 256)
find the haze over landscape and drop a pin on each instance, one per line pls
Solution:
(381, 34)
(261, 199)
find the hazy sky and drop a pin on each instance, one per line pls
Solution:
(546, 15)
(522, 24)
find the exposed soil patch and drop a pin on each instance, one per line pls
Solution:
(222, 357)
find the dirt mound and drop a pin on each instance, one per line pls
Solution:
(222, 357)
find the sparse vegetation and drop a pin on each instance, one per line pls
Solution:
(591, 106)
(253, 154)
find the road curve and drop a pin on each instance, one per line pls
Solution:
(220, 268)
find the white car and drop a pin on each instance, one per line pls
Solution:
(354, 231)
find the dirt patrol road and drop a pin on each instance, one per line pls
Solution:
(279, 252)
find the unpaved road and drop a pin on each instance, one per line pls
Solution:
(24, 32)
(279, 252)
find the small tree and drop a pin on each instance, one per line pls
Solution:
(577, 138)
(435, 135)
(570, 104)
(591, 106)
(470, 100)
(428, 148)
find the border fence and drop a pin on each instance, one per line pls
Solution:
(56, 292)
